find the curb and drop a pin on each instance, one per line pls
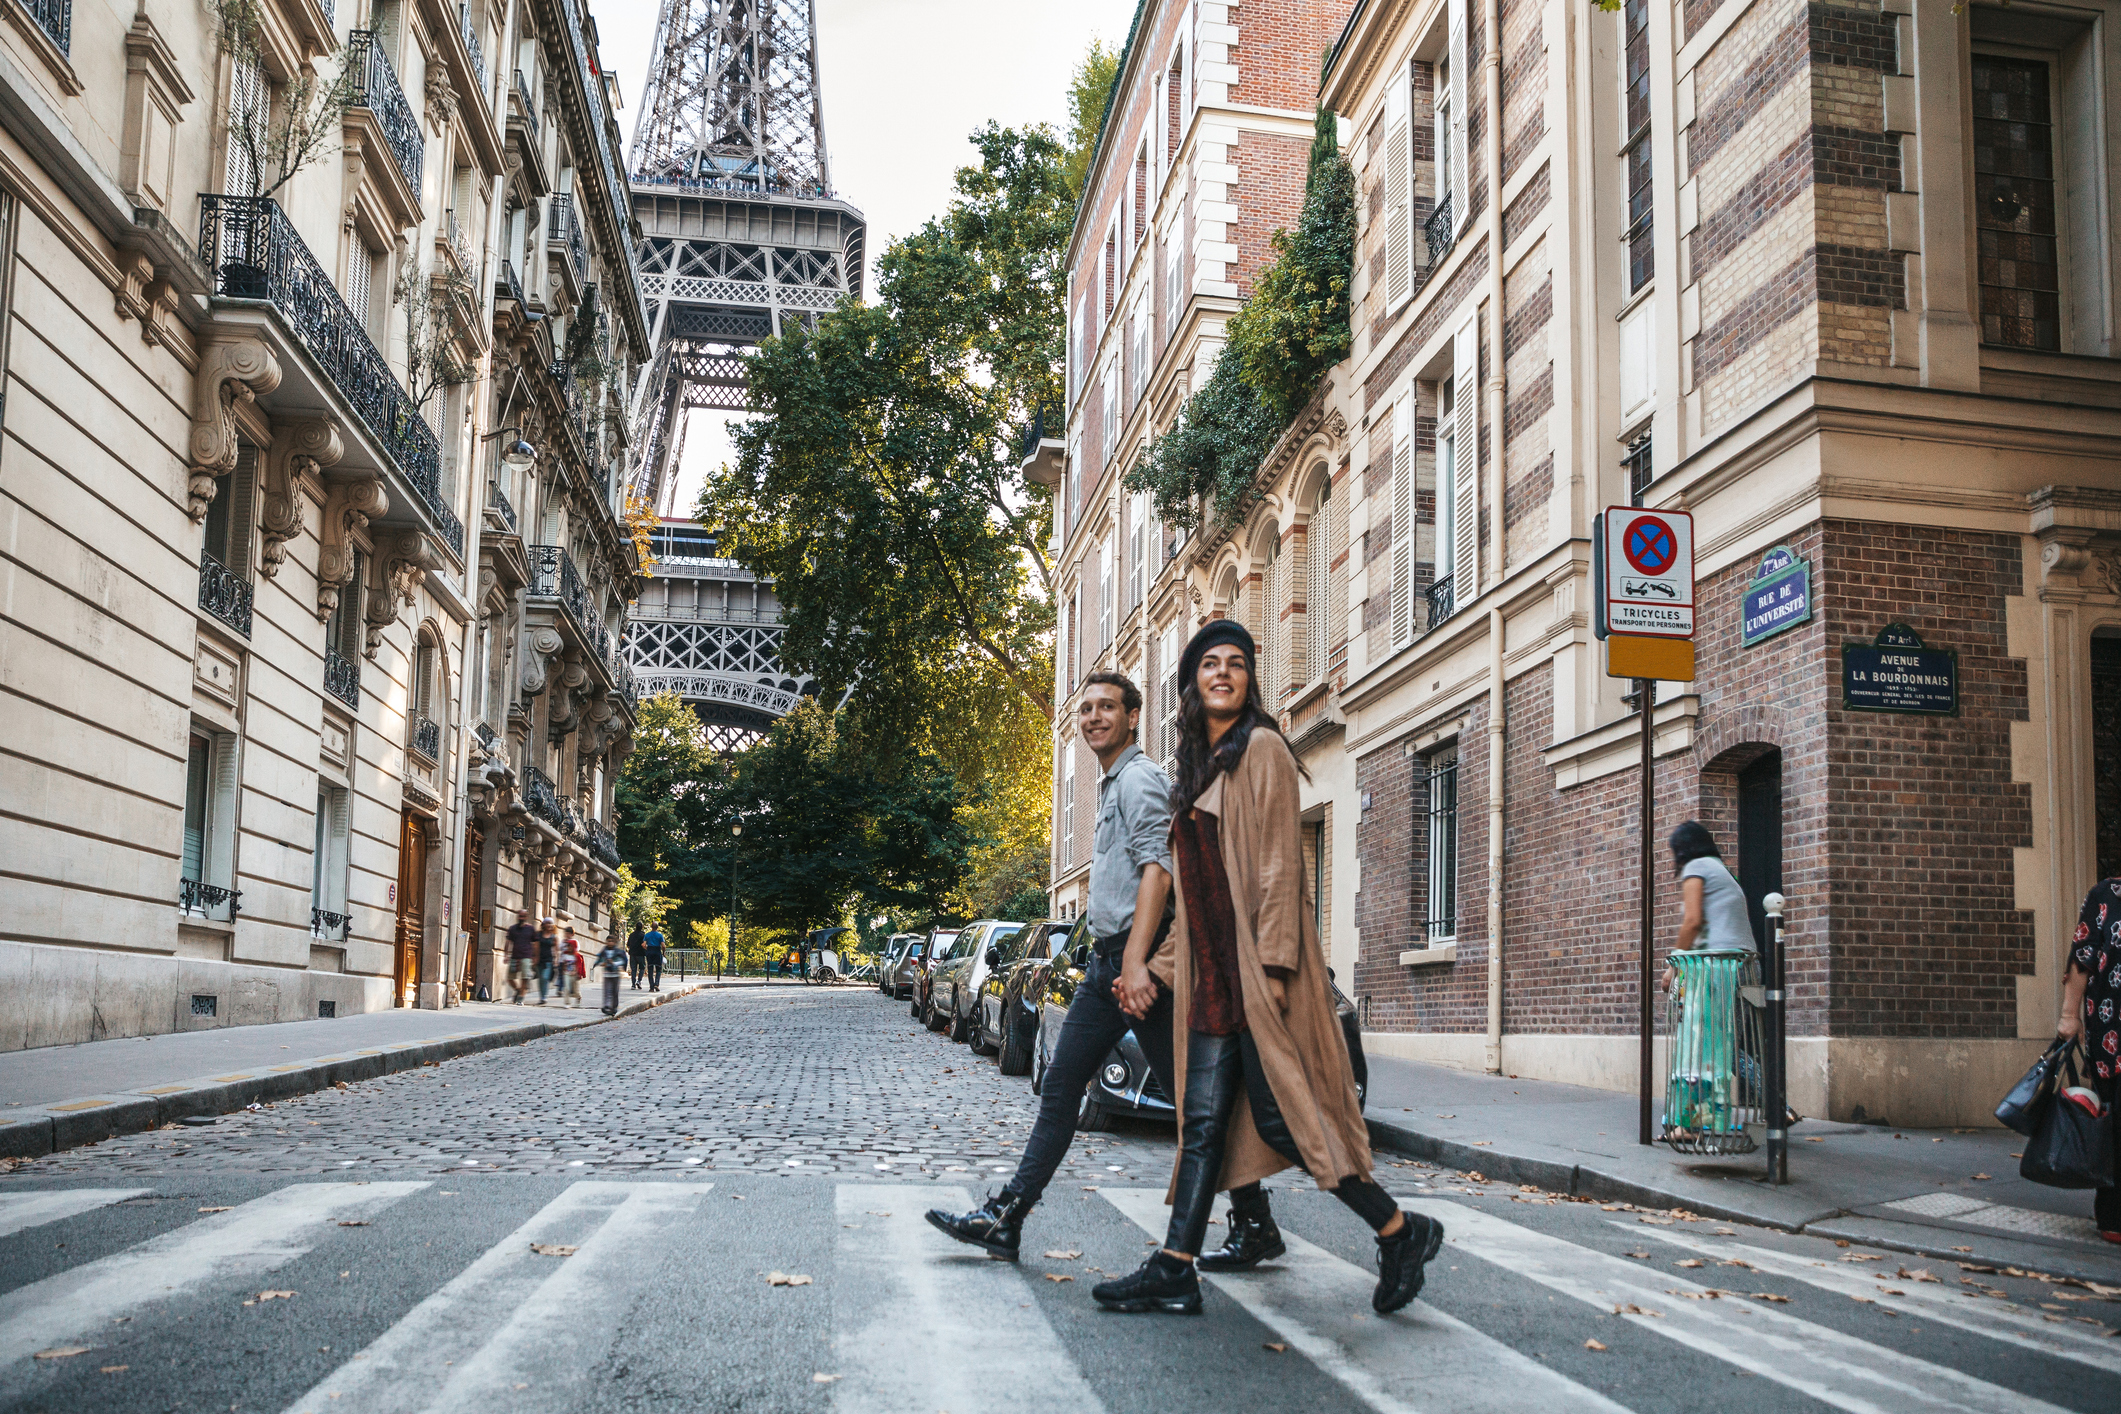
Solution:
(90, 1119)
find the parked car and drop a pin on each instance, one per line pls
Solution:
(940, 941)
(1003, 1020)
(887, 962)
(957, 981)
(1124, 1084)
(912, 960)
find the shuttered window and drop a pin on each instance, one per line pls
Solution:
(1465, 519)
(1399, 195)
(248, 102)
(1317, 560)
(1403, 615)
(1451, 146)
(1168, 698)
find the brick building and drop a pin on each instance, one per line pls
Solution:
(1739, 259)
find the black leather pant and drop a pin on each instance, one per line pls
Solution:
(1216, 1068)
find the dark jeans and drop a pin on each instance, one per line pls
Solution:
(1094, 1025)
(655, 969)
(2106, 1202)
(636, 962)
(1218, 1069)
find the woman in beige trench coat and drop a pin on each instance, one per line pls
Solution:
(1262, 1067)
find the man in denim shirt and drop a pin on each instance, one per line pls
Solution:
(1130, 912)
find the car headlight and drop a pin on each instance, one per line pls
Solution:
(1116, 1076)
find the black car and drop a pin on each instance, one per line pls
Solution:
(1003, 1021)
(1124, 1084)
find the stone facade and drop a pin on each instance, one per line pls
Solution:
(279, 661)
(1761, 290)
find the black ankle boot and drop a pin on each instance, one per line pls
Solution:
(1402, 1260)
(1163, 1283)
(1252, 1241)
(995, 1224)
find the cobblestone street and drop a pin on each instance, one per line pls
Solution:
(788, 1079)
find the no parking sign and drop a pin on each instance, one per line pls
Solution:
(1646, 572)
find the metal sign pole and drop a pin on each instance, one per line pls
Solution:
(1646, 699)
(1778, 1134)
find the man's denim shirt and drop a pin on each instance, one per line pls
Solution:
(1133, 830)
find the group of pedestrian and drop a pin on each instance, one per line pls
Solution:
(1223, 981)
(547, 955)
(644, 957)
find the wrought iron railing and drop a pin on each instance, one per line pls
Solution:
(376, 88)
(224, 594)
(1035, 432)
(565, 229)
(489, 739)
(570, 817)
(1438, 229)
(603, 845)
(470, 35)
(507, 282)
(538, 794)
(323, 923)
(342, 678)
(553, 576)
(530, 109)
(256, 253)
(427, 738)
(196, 899)
(1443, 599)
(56, 19)
(498, 503)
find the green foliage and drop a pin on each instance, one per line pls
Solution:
(639, 901)
(1292, 328)
(669, 808)
(1089, 96)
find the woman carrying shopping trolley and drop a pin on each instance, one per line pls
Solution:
(1714, 1088)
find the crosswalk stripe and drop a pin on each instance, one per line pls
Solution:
(1419, 1358)
(1834, 1368)
(21, 1210)
(544, 1312)
(1945, 1305)
(906, 1300)
(78, 1305)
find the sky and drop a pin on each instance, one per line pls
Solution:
(905, 82)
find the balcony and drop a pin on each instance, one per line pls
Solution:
(539, 795)
(56, 19)
(376, 89)
(328, 926)
(201, 900)
(1438, 230)
(256, 254)
(527, 110)
(427, 739)
(1041, 456)
(506, 283)
(342, 678)
(553, 576)
(497, 505)
(603, 845)
(224, 594)
(470, 35)
(1443, 600)
(564, 231)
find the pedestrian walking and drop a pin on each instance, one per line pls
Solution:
(652, 951)
(637, 954)
(612, 961)
(522, 954)
(570, 968)
(1263, 1079)
(2091, 1013)
(548, 949)
(1712, 904)
(1130, 915)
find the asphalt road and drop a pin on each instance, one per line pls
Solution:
(378, 1248)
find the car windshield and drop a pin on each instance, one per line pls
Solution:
(1011, 940)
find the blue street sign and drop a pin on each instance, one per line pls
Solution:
(1897, 674)
(1780, 597)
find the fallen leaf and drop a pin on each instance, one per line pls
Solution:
(1482, 1143)
(1274, 1345)
(1841, 1242)
(1771, 1296)
(275, 1296)
(1813, 1139)
(822, 1379)
(1691, 1262)
(1593, 1345)
(875, 1214)
(358, 1222)
(1056, 1276)
(62, 1352)
(1638, 1254)
(551, 1249)
(216, 1210)
(1976, 1267)
(1060, 1256)
(1864, 1299)
(785, 1279)
(1962, 1249)
(1737, 1262)
(1866, 1257)
(1918, 1274)
(1979, 1177)
(1890, 1291)
(1631, 1309)
(113, 1369)
(1477, 1177)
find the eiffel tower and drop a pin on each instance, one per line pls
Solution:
(741, 234)
(742, 239)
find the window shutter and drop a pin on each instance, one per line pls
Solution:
(1463, 98)
(1399, 189)
(1336, 581)
(242, 493)
(1403, 615)
(1318, 559)
(1465, 379)
(1137, 516)
(220, 865)
(246, 112)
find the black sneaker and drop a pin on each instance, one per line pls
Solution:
(1250, 1244)
(1402, 1261)
(1163, 1283)
(995, 1224)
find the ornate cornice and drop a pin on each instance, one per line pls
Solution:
(298, 449)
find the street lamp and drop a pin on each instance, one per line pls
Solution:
(736, 834)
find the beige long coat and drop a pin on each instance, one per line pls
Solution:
(1300, 1043)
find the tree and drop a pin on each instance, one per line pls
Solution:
(1089, 99)
(280, 133)
(671, 819)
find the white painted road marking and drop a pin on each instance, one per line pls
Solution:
(1418, 1359)
(21, 1210)
(924, 1323)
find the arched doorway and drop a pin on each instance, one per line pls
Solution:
(1760, 835)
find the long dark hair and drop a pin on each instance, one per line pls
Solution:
(1692, 841)
(1198, 765)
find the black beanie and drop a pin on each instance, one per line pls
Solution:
(1213, 633)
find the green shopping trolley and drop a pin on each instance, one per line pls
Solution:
(1712, 1044)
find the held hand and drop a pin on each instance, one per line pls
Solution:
(2069, 1026)
(1278, 988)
(1664, 983)
(1135, 991)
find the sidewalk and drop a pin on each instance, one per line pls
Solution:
(1954, 1195)
(59, 1097)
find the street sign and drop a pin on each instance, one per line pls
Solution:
(1895, 673)
(1779, 598)
(1634, 655)
(1648, 582)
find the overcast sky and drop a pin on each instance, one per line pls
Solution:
(905, 82)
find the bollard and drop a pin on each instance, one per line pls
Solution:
(1778, 1109)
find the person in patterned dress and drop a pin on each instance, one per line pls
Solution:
(2091, 1011)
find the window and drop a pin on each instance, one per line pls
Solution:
(1639, 468)
(342, 642)
(1454, 83)
(1446, 479)
(1274, 645)
(1075, 618)
(360, 282)
(425, 707)
(248, 105)
(1440, 800)
(1635, 38)
(1403, 538)
(1399, 193)
(207, 869)
(1174, 274)
(1464, 530)
(327, 883)
(1067, 747)
(225, 544)
(1317, 569)
(1140, 352)
(2014, 203)
(1137, 539)
(1104, 594)
(1167, 699)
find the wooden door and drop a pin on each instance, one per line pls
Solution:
(1760, 837)
(470, 922)
(412, 904)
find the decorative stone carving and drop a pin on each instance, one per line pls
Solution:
(441, 100)
(296, 450)
(229, 370)
(401, 567)
(352, 505)
(543, 643)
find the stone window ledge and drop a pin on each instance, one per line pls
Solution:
(1617, 746)
(1434, 955)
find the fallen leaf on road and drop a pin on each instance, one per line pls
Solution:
(1631, 1309)
(1918, 1274)
(1482, 1143)
(1060, 1256)
(216, 1210)
(1737, 1262)
(62, 1352)
(551, 1249)
(1593, 1345)
(1962, 1249)
(1890, 1291)
(822, 1379)
(1447, 1116)
(1864, 1299)
(113, 1369)
(1841, 1242)
(1979, 1177)
(1658, 1222)
(1976, 1267)
(782, 1279)
(275, 1296)
(875, 1214)
(1058, 1276)
(1813, 1139)
(1274, 1345)
(1477, 1177)
(1771, 1296)
(1865, 1257)
(359, 1222)
(1638, 1254)
(1691, 1262)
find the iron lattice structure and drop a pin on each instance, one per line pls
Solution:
(742, 236)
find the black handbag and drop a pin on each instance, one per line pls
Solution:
(2016, 1111)
(2069, 1148)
